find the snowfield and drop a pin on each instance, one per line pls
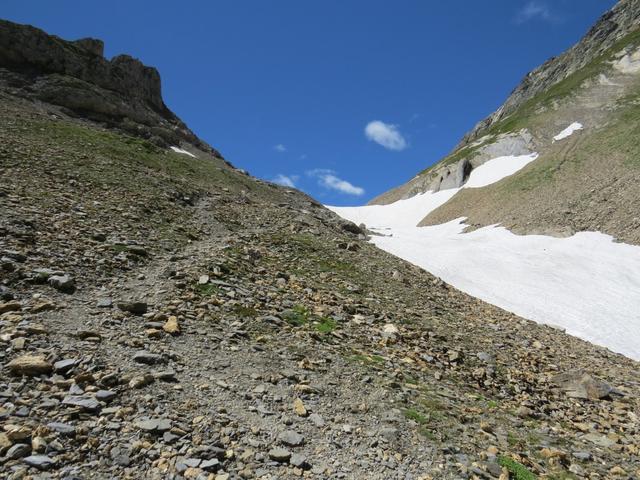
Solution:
(586, 284)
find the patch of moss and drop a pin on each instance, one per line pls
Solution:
(245, 312)
(297, 316)
(325, 325)
(516, 469)
(416, 416)
(206, 289)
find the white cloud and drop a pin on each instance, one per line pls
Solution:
(328, 179)
(386, 135)
(535, 10)
(280, 148)
(286, 180)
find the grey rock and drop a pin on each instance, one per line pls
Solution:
(63, 283)
(579, 384)
(86, 403)
(41, 462)
(211, 465)
(19, 450)
(154, 424)
(62, 428)
(148, 358)
(105, 395)
(317, 420)
(136, 308)
(279, 454)
(104, 303)
(291, 438)
(65, 365)
(299, 460)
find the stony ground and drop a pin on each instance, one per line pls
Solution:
(165, 317)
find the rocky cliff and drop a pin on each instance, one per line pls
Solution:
(121, 92)
(494, 135)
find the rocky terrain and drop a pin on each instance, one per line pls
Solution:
(577, 183)
(164, 315)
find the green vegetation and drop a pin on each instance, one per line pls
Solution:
(113, 158)
(206, 289)
(616, 141)
(297, 316)
(519, 471)
(325, 325)
(416, 416)
(368, 359)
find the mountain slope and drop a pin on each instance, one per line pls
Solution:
(164, 315)
(585, 182)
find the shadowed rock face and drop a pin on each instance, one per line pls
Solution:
(121, 92)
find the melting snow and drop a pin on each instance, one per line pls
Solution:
(180, 150)
(586, 283)
(568, 131)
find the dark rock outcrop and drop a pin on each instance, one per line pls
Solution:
(121, 92)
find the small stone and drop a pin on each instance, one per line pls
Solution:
(579, 384)
(65, 365)
(299, 408)
(41, 462)
(86, 403)
(279, 454)
(317, 420)
(136, 308)
(171, 326)
(10, 307)
(63, 283)
(105, 395)
(524, 412)
(141, 381)
(62, 428)
(29, 365)
(291, 438)
(203, 280)
(19, 450)
(298, 460)
(148, 358)
(154, 424)
(104, 303)
(210, 465)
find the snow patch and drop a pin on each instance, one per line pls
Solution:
(568, 131)
(586, 284)
(180, 150)
(496, 169)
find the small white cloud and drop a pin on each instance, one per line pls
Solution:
(329, 180)
(280, 148)
(386, 135)
(535, 10)
(286, 180)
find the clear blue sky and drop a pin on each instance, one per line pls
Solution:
(287, 87)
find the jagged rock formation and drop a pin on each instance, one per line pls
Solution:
(122, 92)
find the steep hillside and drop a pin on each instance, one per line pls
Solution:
(587, 181)
(163, 315)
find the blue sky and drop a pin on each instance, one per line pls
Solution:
(343, 98)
